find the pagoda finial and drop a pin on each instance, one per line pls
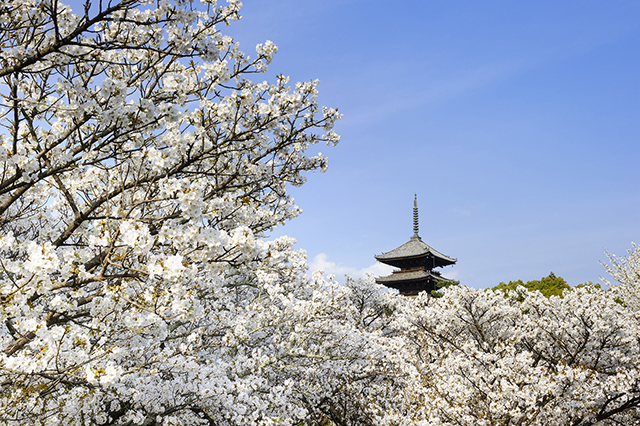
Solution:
(415, 217)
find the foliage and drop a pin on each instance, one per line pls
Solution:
(548, 286)
(443, 285)
(589, 284)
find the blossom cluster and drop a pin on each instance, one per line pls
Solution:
(486, 359)
(141, 171)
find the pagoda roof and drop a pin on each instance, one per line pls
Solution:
(414, 248)
(415, 275)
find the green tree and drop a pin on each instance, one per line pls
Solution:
(442, 285)
(548, 286)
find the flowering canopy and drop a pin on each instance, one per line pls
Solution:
(486, 359)
(141, 169)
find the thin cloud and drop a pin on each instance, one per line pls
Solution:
(321, 263)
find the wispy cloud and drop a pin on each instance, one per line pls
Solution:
(452, 275)
(322, 263)
(461, 212)
(450, 85)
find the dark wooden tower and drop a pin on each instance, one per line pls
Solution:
(416, 261)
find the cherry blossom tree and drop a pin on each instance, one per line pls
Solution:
(525, 359)
(142, 168)
(625, 271)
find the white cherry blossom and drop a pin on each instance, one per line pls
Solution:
(142, 172)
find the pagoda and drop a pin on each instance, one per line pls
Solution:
(416, 261)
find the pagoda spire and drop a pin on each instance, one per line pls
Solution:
(415, 218)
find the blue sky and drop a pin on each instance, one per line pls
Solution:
(516, 123)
